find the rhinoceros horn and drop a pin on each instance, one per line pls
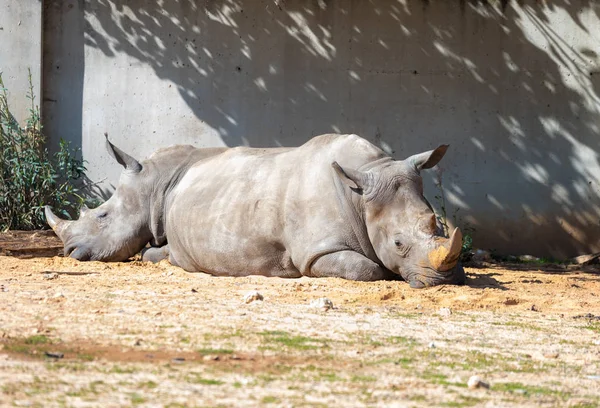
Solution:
(445, 256)
(123, 158)
(55, 222)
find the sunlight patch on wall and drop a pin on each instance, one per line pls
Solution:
(552, 35)
(302, 32)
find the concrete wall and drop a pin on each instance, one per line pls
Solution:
(20, 49)
(516, 92)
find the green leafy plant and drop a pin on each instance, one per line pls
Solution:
(466, 251)
(29, 176)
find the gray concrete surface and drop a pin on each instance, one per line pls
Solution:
(516, 93)
(20, 49)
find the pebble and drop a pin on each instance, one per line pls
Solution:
(445, 311)
(481, 255)
(252, 296)
(322, 303)
(50, 276)
(54, 355)
(432, 345)
(211, 357)
(528, 258)
(476, 382)
(178, 360)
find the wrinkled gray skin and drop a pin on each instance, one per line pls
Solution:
(335, 206)
(134, 215)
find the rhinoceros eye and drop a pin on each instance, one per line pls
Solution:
(403, 250)
(101, 215)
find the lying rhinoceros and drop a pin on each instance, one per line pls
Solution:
(335, 206)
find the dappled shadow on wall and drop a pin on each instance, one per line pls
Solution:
(514, 88)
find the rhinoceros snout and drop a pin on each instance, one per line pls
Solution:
(80, 253)
(456, 276)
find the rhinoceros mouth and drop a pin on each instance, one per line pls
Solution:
(428, 277)
(78, 252)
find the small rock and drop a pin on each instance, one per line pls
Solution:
(476, 382)
(211, 357)
(138, 342)
(481, 255)
(432, 345)
(551, 354)
(252, 296)
(322, 303)
(534, 308)
(235, 357)
(593, 377)
(194, 290)
(445, 311)
(51, 275)
(58, 295)
(178, 360)
(528, 258)
(588, 259)
(54, 355)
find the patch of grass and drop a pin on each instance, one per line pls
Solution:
(440, 379)
(37, 339)
(148, 384)
(290, 341)
(137, 399)
(405, 341)
(269, 399)
(463, 401)
(206, 351)
(330, 376)
(122, 370)
(195, 378)
(530, 390)
(68, 366)
(586, 404)
(86, 357)
(363, 378)
(595, 327)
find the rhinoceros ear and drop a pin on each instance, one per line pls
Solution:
(352, 178)
(123, 158)
(428, 159)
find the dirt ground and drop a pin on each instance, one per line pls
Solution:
(90, 334)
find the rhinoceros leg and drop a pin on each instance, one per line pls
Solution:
(155, 254)
(349, 265)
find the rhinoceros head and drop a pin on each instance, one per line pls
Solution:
(400, 222)
(117, 229)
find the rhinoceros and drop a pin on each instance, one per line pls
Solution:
(337, 206)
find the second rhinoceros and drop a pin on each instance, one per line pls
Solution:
(337, 206)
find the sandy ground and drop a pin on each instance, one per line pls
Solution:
(95, 334)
